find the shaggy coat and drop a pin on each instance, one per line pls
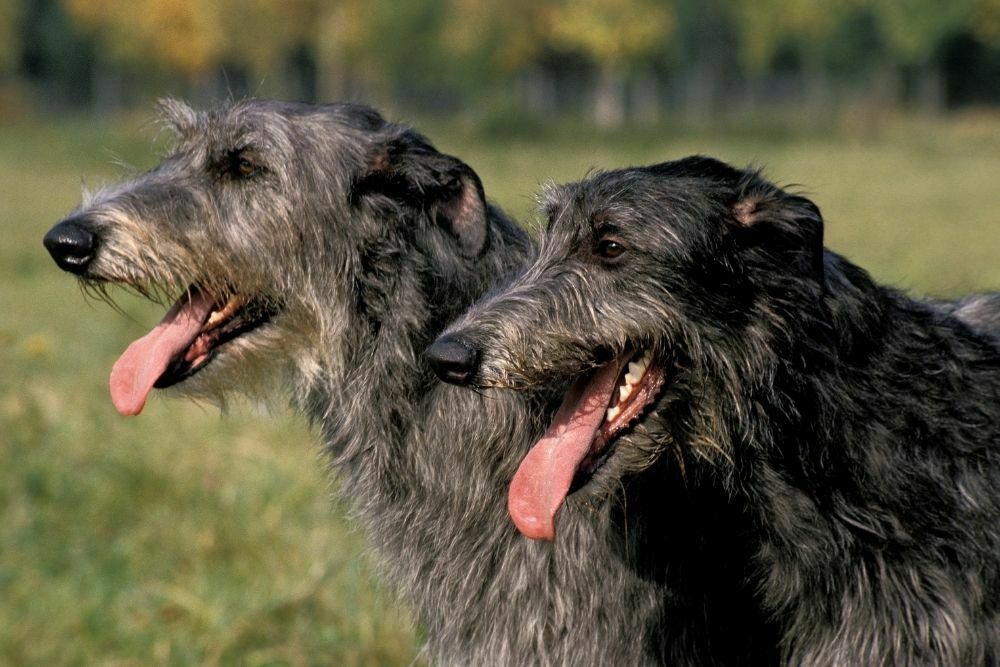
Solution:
(331, 247)
(832, 444)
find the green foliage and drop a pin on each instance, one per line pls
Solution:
(610, 32)
(10, 36)
(986, 21)
(766, 26)
(913, 29)
(194, 36)
(422, 48)
(490, 41)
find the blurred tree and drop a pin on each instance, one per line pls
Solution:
(797, 37)
(386, 47)
(915, 28)
(10, 35)
(616, 56)
(177, 34)
(495, 38)
(402, 51)
(765, 27)
(338, 34)
(56, 58)
(144, 37)
(257, 38)
(985, 22)
(203, 41)
(705, 49)
(615, 35)
(914, 31)
(491, 38)
(497, 50)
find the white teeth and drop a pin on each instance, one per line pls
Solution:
(636, 369)
(225, 312)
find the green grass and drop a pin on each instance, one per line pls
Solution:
(181, 537)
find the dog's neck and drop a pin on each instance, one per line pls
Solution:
(377, 392)
(805, 446)
(429, 481)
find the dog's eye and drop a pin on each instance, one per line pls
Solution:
(245, 168)
(239, 166)
(610, 249)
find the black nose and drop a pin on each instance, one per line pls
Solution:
(452, 360)
(71, 244)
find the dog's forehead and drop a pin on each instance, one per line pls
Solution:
(269, 125)
(257, 123)
(591, 201)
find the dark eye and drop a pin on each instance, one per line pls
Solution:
(239, 165)
(610, 249)
(245, 168)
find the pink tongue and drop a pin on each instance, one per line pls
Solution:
(542, 481)
(145, 360)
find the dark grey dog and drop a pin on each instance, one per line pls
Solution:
(979, 311)
(833, 442)
(317, 251)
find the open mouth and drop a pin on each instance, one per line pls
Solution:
(638, 385)
(596, 411)
(183, 343)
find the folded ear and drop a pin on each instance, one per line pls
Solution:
(783, 226)
(410, 172)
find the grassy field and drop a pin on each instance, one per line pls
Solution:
(183, 537)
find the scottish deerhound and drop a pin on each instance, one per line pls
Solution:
(317, 251)
(841, 437)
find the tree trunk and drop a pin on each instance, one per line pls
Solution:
(700, 92)
(930, 90)
(646, 98)
(819, 97)
(108, 89)
(882, 97)
(538, 91)
(330, 62)
(609, 96)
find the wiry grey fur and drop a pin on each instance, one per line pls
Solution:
(833, 444)
(368, 241)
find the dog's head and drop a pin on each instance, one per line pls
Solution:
(283, 229)
(656, 290)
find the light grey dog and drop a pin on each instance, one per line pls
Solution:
(317, 250)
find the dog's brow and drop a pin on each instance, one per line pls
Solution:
(601, 223)
(558, 216)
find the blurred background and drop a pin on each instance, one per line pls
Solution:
(609, 61)
(182, 537)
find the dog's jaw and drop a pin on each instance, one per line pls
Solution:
(597, 409)
(639, 383)
(184, 342)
